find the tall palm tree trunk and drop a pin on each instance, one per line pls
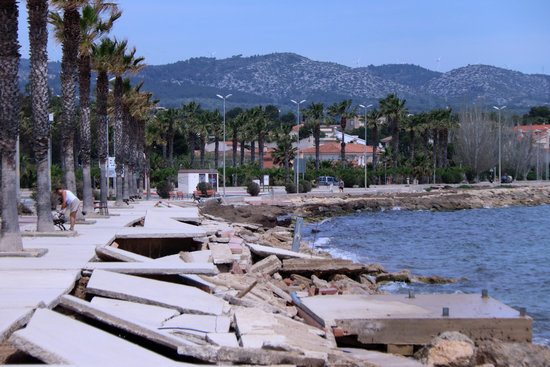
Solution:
(84, 69)
(9, 123)
(235, 144)
(411, 138)
(374, 145)
(119, 148)
(395, 141)
(434, 148)
(126, 153)
(243, 143)
(102, 126)
(261, 151)
(192, 138)
(253, 151)
(217, 151)
(287, 162)
(38, 37)
(71, 39)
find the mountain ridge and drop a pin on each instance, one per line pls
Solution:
(278, 77)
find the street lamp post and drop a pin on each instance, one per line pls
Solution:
(224, 143)
(366, 180)
(298, 145)
(499, 143)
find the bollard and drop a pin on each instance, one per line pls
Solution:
(484, 293)
(297, 234)
(445, 311)
(522, 311)
(411, 293)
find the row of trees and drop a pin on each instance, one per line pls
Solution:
(79, 26)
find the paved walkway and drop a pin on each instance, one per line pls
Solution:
(27, 283)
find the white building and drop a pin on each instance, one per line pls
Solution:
(188, 179)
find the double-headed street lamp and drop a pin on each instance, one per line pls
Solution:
(298, 153)
(499, 143)
(366, 107)
(224, 143)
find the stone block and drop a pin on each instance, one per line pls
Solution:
(270, 265)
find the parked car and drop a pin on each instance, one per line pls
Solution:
(326, 180)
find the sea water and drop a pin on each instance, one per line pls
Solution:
(504, 250)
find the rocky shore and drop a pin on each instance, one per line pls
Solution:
(269, 278)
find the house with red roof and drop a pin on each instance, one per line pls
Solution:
(355, 153)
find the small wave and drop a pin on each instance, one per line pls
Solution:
(542, 341)
(343, 254)
(394, 287)
(321, 242)
(325, 221)
(397, 208)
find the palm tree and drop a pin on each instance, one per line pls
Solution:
(414, 124)
(191, 113)
(38, 37)
(345, 110)
(67, 29)
(394, 110)
(259, 122)
(284, 153)
(235, 120)
(122, 62)
(92, 27)
(170, 119)
(101, 56)
(373, 119)
(9, 124)
(315, 112)
(215, 126)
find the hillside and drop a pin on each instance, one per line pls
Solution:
(277, 78)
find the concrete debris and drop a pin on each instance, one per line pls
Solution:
(204, 256)
(152, 267)
(400, 276)
(204, 323)
(321, 266)
(221, 253)
(113, 253)
(153, 316)
(133, 288)
(265, 251)
(57, 339)
(269, 265)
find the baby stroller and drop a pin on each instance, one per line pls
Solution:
(59, 220)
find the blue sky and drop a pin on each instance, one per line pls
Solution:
(512, 34)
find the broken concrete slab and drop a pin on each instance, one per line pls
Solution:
(256, 327)
(154, 268)
(57, 339)
(150, 315)
(205, 323)
(132, 288)
(12, 319)
(123, 322)
(221, 253)
(203, 256)
(111, 253)
(321, 266)
(265, 251)
(381, 359)
(223, 339)
(270, 265)
(398, 319)
(250, 356)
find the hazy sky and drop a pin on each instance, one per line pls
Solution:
(513, 34)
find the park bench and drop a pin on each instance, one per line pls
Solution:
(197, 194)
(103, 209)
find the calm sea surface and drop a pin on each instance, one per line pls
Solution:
(503, 250)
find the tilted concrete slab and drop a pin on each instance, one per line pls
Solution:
(223, 339)
(111, 253)
(279, 252)
(398, 319)
(132, 288)
(170, 217)
(54, 338)
(221, 253)
(205, 323)
(12, 319)
(123, 322)
(150, 315)
(381, 359)
(197, 256)
(154, 268)
(256, 328)
(160, 232)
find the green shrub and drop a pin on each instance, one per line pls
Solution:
(164, 188)
(451, 175)
(305, 186)
(163, 174)
(253, 189)
(532, 175)
(203, 187)
(290, 188)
